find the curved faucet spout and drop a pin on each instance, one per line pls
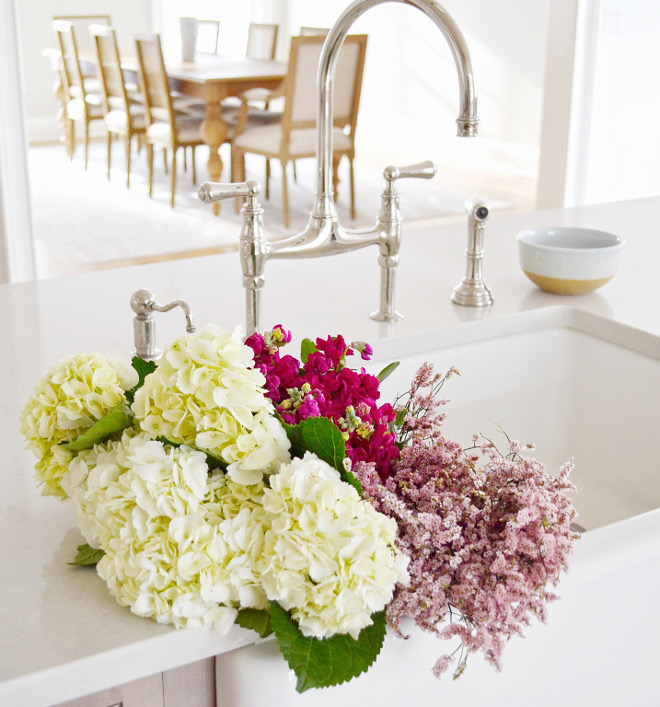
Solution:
(323, 235)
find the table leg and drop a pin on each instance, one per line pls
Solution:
(214, 130)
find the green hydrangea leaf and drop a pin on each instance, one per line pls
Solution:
(322, 437)
(256, 620)
(294, 434)
(117, 419)
(143, 369)
(387, 371)
(87, 556)
(330, 661)
(307, 347)
(212, 461)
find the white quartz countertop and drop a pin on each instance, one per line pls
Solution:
(62, 634)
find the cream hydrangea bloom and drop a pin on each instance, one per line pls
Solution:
(328, 556)
(76, 392)
(179, 545)
(206, 393)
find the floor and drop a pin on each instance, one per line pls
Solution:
(84, 222)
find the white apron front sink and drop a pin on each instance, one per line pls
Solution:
(576, 385)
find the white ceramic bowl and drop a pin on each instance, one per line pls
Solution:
(567, 260)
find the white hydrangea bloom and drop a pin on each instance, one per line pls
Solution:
(328, 556)
(206, 393)
(76, 392)
(179, 545)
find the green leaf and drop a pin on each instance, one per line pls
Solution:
(118, 418)
(387, 371)
(87, 556)
(322, 437)
(330, 661)
(212, 461)
(294, 433)
(307, 347)
(143, 368)
(255, 619)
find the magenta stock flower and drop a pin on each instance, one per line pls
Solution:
(325, 386)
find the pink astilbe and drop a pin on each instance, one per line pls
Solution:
(486, 534)
(325, 386)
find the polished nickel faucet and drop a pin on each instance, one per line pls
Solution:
(323, 234)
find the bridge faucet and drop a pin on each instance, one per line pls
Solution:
(323, 234)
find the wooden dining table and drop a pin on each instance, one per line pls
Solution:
(213, 78)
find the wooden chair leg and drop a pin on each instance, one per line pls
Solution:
(173, 176)
(194, 166)
(335, 177)
(70, 138)
(237, 172)
(285, 196)
(109, 152)
(86, 142)
(129, 139)
(352, 186)
(267, 178)
(150, 165)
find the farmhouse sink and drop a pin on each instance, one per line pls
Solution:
(574, 384)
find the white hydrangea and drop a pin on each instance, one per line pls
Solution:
(206, 393)
(76, 392)
(179, 545)
(328, 556)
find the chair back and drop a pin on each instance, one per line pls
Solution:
(109, 67)
(300, 82)
(81, 29)
(153, 80)
(314, 31)
(72, 77)
(262, 41)
(208, 34)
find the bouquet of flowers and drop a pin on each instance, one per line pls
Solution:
(232, 484)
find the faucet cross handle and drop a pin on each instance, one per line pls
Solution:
(388, 228)
(420, 170)
(210, 192)
(253, 245)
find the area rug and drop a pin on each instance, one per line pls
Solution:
(81, 216)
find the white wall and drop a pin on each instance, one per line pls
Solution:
(410, 92)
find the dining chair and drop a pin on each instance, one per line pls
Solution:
(294, 137)
(261, 46)
(125, 117)
(262, 41)
(208, 35)
(166, 128)
(83, 101)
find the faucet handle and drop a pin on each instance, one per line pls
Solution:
(210, 192)
(420, 170)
